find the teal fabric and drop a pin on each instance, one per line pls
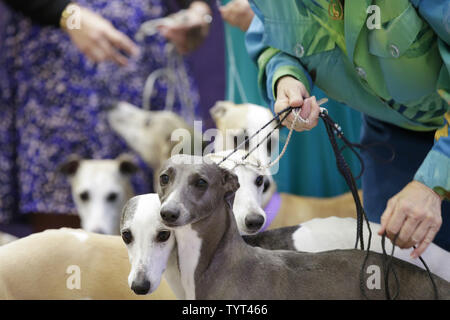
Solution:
(308, 167)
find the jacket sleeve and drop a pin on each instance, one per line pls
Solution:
(45, 12)
(272, 63)
(435, 169)
(437, 14)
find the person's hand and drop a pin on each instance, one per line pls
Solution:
(415, 215)
(291, 92)
(237, 13)
(188, 28)
(99, 40)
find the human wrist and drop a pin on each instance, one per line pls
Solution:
(433, 193)
(68, 11)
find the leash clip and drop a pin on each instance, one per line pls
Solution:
(323, 110)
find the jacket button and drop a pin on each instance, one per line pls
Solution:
(299, 50)
(361, 72)
(394, 50)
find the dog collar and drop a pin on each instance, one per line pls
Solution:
(272, 209)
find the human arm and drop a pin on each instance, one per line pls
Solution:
(415, 213)
(282, 78)
(45, 12)
(94, 36)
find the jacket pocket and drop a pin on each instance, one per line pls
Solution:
(408, 56)
(400, 33)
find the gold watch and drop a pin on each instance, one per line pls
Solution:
(65, 15)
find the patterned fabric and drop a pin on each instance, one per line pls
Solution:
(52, 104)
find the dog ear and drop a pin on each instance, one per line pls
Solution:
(229, 180)
(70, 166)
(127, 165)
(218, 110)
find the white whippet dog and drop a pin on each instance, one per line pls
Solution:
(68, 264)
(100, 189)
(250, 216)
(235, 121)
(149, 133)
(6, 238)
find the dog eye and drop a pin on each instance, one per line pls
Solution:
(84, 196)
(266, 185)
(269, 147)
(235, 142)
(259, 181)
(112, 197)
(164, 179)
(201, 184)
(127, 236)
(163, 236)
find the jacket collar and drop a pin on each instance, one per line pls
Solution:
(355, 15)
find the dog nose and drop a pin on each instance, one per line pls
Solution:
(254, 221)
(170, 214)
(140, 287)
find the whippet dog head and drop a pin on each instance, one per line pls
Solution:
(253, 181)
(149, 133)
(100, 189)
(191, 187)
(148, 241)
(236, 122)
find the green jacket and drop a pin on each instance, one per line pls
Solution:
(399, 73)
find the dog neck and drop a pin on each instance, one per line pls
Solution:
(200, 244)
(172, 275)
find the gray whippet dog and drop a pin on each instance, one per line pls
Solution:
(215, 262)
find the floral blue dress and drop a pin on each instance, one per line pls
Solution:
(53, 101)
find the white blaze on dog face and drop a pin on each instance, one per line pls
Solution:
(148, 241)
(247, 206)
(100, 190)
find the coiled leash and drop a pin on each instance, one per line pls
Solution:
(333, 131)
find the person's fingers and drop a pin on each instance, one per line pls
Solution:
(172, 35)
(404, 237)
(386, 216)
(295, 97)
(111, 53)
(313, 118)
(96, 54)
(421, 231)
(395, 223)
(121, 41)
(423, 245)
(305, 110)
